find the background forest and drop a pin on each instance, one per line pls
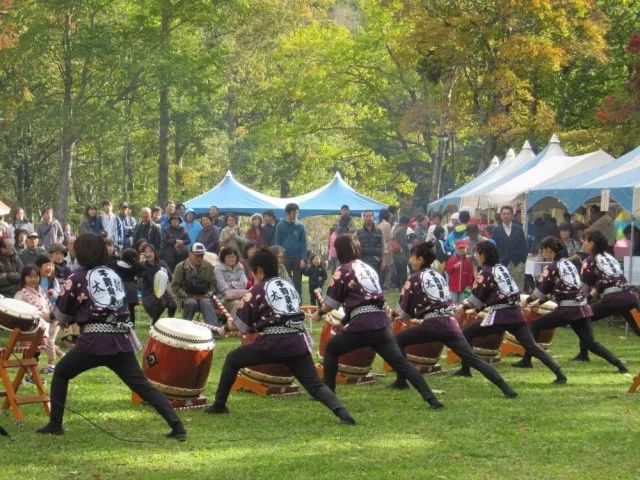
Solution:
(150, 100)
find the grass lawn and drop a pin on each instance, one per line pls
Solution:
(587, 429)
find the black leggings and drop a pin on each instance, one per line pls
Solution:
(581, 327)
(522, 334)
(384, 343)
(301, 367)
(603, 309)
(125, 365)
(456, 343)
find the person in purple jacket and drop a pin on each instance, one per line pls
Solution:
(425, 296)
(356, 286)
(601, 272)
(93, 297)
(272, 308)
(561, 280)
(495, 289)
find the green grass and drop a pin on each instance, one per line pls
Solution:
(588, 429)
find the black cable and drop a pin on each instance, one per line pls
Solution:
(76, 412)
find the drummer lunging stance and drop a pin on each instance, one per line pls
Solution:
(272, 308)
(93, 298)
(425, 296)
(561, 280)
(356, 286)
(494, 288)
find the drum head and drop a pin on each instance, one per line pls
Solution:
(18, 309)
(181, 333)
(337, 314)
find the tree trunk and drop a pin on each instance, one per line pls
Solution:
(67, 139)
(129, 184)
(163, 162)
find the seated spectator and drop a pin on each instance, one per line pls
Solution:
(247, 252)
(209, 236)
(129, 269)
(20, 240)
(254, 233)
(112, 251)
(231, 281)
(62, 270)
(10, 269)
(194, 281)
(175, 243)
(231, 236)
(32, 250)
(155, 306)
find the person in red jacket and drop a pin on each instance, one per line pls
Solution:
(460, 271)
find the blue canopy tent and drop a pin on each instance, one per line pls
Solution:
(621, 177)
(327, 200)
(230, 196)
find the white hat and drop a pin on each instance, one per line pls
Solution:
(455, 216)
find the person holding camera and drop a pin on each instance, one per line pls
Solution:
(194, 281)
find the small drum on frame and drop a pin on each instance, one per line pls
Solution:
(354, 366)
(18, 314)
(544, 337)
(423, 356)
(486, 347)
(265, 379)
(177, 360)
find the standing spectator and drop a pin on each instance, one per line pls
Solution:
(278, 251)
(254, 232)
(400, 250)
(511, 243)
(194, 281)
(269, 227)
(317, 276)
(6, 230)
(91, 222)
(49, 229)
(422, 228)
(153, 305)
(20, 222)
(214, 215)
(147, 230)
(333, 257)
(175, 243)
(459, 231)
(231, 279)
(191, 226)
(453, 222)
(572, 246)
(10, 269)
(603, 223)
(112, 225)
(20, 240)
(249, 249)
(292, 236)
(460, 271)
(209, 236)
(72, 261)
(181, 209)
(57, 251)
(473, 231)
(441, 255)
(130, 270)
(128, 225)
(231, 236)
(169, 210)
(436, 221)
(371, 242)
(386, 268)
(344, 224)
(156, 216)
(30, 253)
(393, 215)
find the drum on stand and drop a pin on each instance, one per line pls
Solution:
(354, 366)
(177, 360)
(486, 347)
(265, 379)
(544, 337)
(18, 314)
(423, 356)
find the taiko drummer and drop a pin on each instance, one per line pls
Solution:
(93, 298)
(273, 309)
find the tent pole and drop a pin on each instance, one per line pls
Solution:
(633, 227)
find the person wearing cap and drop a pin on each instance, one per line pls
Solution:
(57, 251)
(194, 281)
(458, 232)
(191, 226)
(33, 249)
(49, 229)
(10, 269)
(175, 243)
(128, 225)
(254, 232)
(112, 225)
(460, 271)
(209, 236)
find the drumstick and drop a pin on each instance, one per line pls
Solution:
(223, 310)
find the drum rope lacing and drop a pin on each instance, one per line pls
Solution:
(173, 336)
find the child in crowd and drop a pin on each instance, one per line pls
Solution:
(317, 276)
(62, 270)
(460, 271)
(282, 269)
(51, 287)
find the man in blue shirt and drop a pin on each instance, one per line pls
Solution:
(292, 236)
